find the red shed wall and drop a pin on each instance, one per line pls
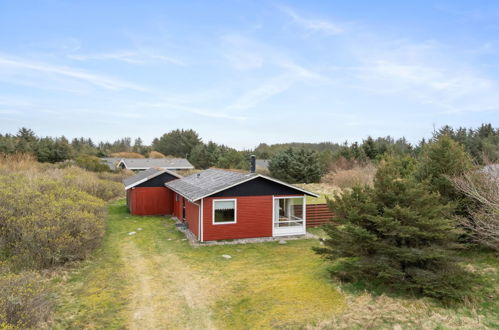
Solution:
(192, 217)
(254, 219)
(150, 201)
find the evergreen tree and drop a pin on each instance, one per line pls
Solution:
(396, 234)
(296, 166)
(178, 143)
(440, 160)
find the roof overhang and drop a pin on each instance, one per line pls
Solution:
(153, 176)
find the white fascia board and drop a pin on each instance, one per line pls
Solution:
(151, 177)
(259, 176)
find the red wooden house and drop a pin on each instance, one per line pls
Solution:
(220, 204)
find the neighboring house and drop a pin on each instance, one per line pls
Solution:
(111, 162)
(221, 204)
(140, 164)
(262, 164)
(146, 193)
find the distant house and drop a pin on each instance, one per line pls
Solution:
(218, 204)
(146, 193)
(111, 162)
(141, 164)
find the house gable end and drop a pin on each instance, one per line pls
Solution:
(158, 181)
(258, 187)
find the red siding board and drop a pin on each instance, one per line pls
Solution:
(192, 217)
(150, 201)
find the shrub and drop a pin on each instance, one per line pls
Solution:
(115, 176)
(91, 163)
(483, 220)
(356, 176)
(396, 234)
(24, 301)
(126, 155)
(44, 222)
(90, 183)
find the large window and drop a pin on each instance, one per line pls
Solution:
(224, 211)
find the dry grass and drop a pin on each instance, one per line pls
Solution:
(324, 190)
(156, 154)
(188, 172)
(346, 179)
(126, 155)
(365, 311)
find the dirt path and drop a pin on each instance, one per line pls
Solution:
(167, 293)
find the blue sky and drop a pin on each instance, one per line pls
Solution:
(245, 72)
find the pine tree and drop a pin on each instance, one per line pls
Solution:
(396, 234)
(296, 166)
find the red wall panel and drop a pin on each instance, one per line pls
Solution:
(192, 217)
(150, 201)
(254, 219)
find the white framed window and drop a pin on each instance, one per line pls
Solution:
(224, 211)
(176, 197)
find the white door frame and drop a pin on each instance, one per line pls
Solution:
(300, 231)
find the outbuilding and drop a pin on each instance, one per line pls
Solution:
(146, 193)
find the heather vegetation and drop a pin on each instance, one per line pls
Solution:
(49, 216)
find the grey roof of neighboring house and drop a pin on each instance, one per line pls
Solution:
(144, 176)
(111, 162)
(263, 163)
(213, 180)
(168, 163)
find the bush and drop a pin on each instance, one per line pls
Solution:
(44, 222)
(24, 301)
(483, 220)
(397, 235)
(356, 176)
(126, 155)
(91, 163)
(90, 183)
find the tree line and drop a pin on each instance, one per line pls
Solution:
(480, 143)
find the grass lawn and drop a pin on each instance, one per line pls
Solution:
(155, 279)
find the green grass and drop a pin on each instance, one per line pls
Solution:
(155, 278)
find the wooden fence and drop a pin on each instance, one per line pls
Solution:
(318, 214)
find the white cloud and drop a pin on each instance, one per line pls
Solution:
(105, 82)
(313, 24)
(141, 56)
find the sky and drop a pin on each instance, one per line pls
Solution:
(245, 72)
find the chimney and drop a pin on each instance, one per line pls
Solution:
(253, 164)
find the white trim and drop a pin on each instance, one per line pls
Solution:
(153, 176)
(304, 214)
(213, 211)
(259, 176)
(201, 220)
(162, 167)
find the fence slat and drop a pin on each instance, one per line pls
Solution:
(318, 214)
